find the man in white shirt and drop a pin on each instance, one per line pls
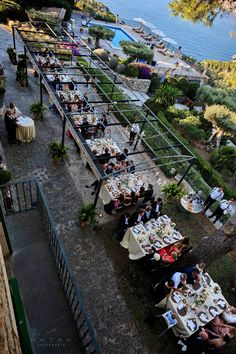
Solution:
(179, 279)
(133, 132)
(223, 208)
(217, 193)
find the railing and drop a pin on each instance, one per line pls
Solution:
(27, 195)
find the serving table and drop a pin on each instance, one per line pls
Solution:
(159, 233)
(25, 131)
(192, 203)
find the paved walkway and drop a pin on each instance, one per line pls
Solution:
(64, 189)
(49, 318)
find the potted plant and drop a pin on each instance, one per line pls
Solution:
(2, 93)
(21, 77)
(5, 176)
(12, 55)
(37, 109)
(57, 151)
(87, 214)
(173, 191)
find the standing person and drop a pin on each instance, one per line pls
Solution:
(217, 193)
(156, 207)
(133, 132)
(124, 224)
(148, 193)
(10, 124)
(223, 208)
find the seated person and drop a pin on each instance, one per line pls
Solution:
(180, 246)
(220, 328)
(193, 275)
(137, 217)
(167, 257)
(105, 157)
(179, 279)
(229, 315)
(84, 127)
(108, 168)
(121, 157)
(148, 213)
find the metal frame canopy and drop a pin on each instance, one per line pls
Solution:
(87, 68)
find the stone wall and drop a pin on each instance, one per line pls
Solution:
(135, 84)
(9, 340)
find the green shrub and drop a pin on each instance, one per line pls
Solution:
(5, 176)
(155, 82)
(136, 50)
(11, 10)
(113, 63)
(121, 69)
(104, 16)
(131, 71)
(102, 54)
(224, 159)
(173, 191)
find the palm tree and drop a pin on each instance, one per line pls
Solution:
(166, 95)
(100, 32)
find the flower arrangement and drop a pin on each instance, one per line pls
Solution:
(201, 298)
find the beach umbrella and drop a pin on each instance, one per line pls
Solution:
(149, 25)
(158, 32)
(169, 40)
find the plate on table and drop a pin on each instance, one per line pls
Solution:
(192, 324)
(136, 230)
(203, 317)
(175, 297)
(158, 244)
(213, 311)
(176, 235)
(221, 303)
(166, 240)
(147, 227)
(181, 309)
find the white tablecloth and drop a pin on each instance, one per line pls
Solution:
(25, 131)
(158, 233)
(189, 314)
(121, 184)
(191, 205)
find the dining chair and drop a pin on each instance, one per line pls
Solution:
(170, 320)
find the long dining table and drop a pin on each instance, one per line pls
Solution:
(199, 305)
(140, 239)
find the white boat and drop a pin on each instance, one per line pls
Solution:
(234, 58)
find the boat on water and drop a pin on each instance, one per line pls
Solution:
(234, 58)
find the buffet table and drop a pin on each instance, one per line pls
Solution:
(121, 184)
(25, 131)
(159, 233)
(201, 304)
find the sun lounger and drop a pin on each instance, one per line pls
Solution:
(139, 30)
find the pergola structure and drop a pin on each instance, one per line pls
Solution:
(84, 68)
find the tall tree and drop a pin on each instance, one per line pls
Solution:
(213, 247)
(201, 10)
(99, 32)
(136, 50)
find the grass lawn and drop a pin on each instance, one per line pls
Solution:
(134, 281)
